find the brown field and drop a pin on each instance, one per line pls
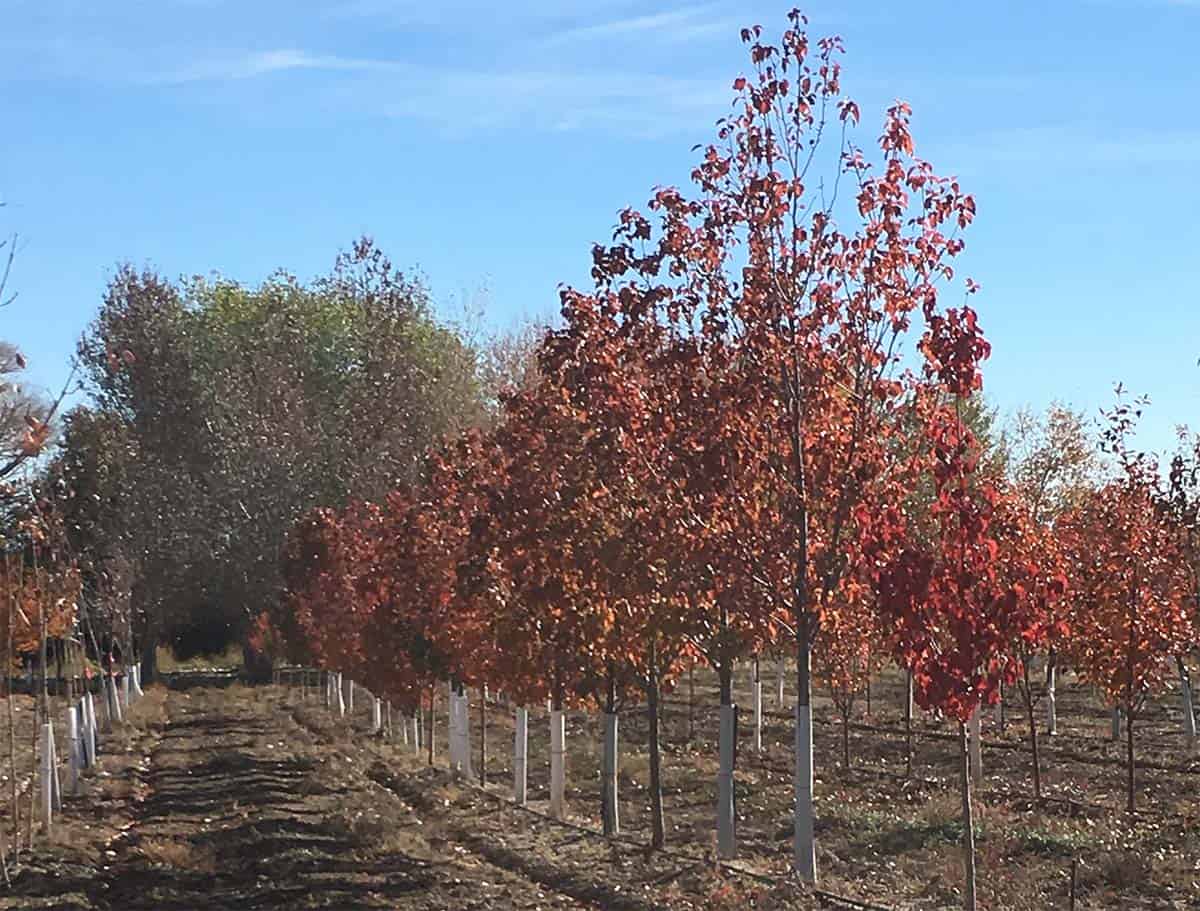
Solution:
(258, 799)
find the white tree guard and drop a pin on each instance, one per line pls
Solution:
(453, 741)
(89, 734)
(125, 689)
(975, 738)
(376, 715)
(804, 843)
(55, 781)
(73, 750)
(1052, 701)
(726, 838)
(521, 757)
(339, 695)
(416, 732)
(558, 776)
(137, 680)
(1116, 722)
(782, 678)
(451, 726)
(114, 701)
(349, 685)
(608, 774)
(46, 757)
(464, 733)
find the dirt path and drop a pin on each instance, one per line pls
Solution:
(236, 799)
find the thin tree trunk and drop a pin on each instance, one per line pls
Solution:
(33, 749)
(521, 756)
(1027, 696)
(1052, 693)
(692, 702)
(976, 742)
(483, 735)
(658, 827)
(1129, 755)
(964, 780)
(726, 837)
(608, 775)
(758, 707)
(429, 732)
(558, 750)
(846, 738)
(1189, 710)
(12, 722)
(908, 717)
(1000, 706)
(608, 766)
(804, 846)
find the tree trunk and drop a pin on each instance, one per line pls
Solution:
(1116, 724)
(429, 732)
(1129, 756)
(976, 742)
(452, 741)
(964, 780)
(608, 775)
(149, 656)
(1037, 765)
(1027, 696)
(1051, 693)
(758, 708)
(658, 835)
(726, 840)
(558, 775)
(804, 847)
(908, 717)
(255, 665)
(520, 756)
(692, 702)
(483, 735)
(846, 738)
(15, 802)
(1189, 710)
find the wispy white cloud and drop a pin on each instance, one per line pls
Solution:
(1076, 145)
(472, 99)
(264, 63)
(457, 13)
(677, 25)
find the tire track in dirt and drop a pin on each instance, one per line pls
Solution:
(232, 818)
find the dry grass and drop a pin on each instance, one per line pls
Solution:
(177, 853)
(167, 662)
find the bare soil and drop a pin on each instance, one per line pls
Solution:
(257, 798)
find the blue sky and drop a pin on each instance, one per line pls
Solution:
(490, 144)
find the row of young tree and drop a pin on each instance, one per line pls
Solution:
(760, 427)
